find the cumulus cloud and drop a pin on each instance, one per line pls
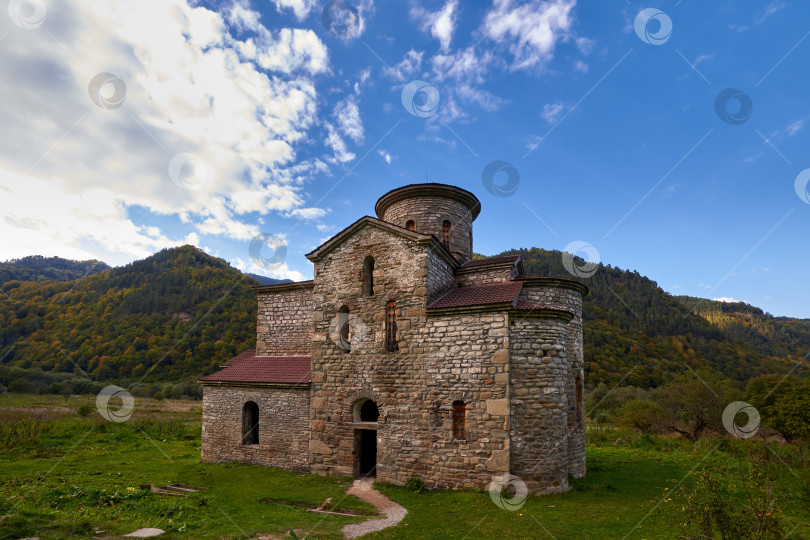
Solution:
(301, 8)
(218, 86)
(441, 24)
(728, 300)
(347, 115)
(385, 155)
(529, 30)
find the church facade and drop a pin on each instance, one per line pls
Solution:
(404, 357)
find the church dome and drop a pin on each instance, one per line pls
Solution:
(444, 211)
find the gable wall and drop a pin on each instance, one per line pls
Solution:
(284, 325)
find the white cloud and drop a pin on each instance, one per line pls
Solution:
(585, 45)
(581, 66)
(385, 155)
(552, 111)
(347, 115)
(441, 23)
(728, 300)
(77, 174)
(308, 213)
(530, 30)
(795, 127)
(301, 8)
(338, 145)
(761, 16)
(409, 65)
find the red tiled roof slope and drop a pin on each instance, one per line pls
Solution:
(241, 356)
(248, 368)
(474, 295)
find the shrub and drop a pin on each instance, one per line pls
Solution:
(84, 410)
(415, 484)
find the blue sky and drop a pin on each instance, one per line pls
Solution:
(236, 120)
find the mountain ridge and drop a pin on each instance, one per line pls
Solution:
(179, 313)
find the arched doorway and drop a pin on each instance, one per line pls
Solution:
(366, 413)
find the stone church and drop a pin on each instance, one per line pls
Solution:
(405, 357)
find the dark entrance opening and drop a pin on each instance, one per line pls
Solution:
(368, 452)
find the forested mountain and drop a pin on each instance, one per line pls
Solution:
(169, 317)
(632, 326)
(39, 268)
(179, 313)
(264, 280)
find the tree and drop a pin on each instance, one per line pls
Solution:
(21, 386)
(693, 403)
(641, 414)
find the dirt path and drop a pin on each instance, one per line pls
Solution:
(392, 511)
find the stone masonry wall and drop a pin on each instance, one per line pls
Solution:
(439, 277)
(440, 359)
(429, 213)
(465, 278)
(560, 296)
(539, 426)
(284, 325)
(283, 426)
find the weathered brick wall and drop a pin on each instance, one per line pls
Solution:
(284, 325)
(567, 296)
(429, 213)
(283, 426)
(440, 359)
(539, 426)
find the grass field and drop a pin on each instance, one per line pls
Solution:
(64, 476)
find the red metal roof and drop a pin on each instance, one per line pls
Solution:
(474, 295)
(248, 368)
(490, 260)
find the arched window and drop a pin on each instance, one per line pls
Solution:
(368, 276)
(410, 225)
(446, 227)
(250, 423)
(391, 327)
(458, 420)
(369, 411)
(343, 339)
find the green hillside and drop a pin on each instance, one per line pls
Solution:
(170, 317)
(39, 268)
(630, 323)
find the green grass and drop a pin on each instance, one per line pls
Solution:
(61, 476)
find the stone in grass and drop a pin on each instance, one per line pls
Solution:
(145, 533)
